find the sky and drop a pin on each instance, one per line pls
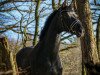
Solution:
(17, 15)
(13, 35)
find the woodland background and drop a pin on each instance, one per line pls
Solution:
(22, 21)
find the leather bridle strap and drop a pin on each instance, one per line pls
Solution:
(73, 24)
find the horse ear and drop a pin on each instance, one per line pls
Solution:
(64, 4)
(71, 6)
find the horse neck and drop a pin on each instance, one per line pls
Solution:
(52, 40)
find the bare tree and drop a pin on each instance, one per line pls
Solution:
(98, 36)
(53, 5)
(89, 50)
(36, 22)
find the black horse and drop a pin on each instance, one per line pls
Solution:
(44, 59)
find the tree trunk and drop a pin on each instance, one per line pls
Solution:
(88, 44)
(98, 37)
(36, 22)
(13, 64)
(53, 5)
(6, 58)
(4, 55)
(59, 3)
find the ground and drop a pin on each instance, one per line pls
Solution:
(71, 61)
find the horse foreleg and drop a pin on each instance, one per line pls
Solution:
(59, 66)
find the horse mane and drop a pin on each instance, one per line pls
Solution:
(47, 24)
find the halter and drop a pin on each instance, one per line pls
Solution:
(72, 24)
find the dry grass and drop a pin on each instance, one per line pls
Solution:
(71, 61)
